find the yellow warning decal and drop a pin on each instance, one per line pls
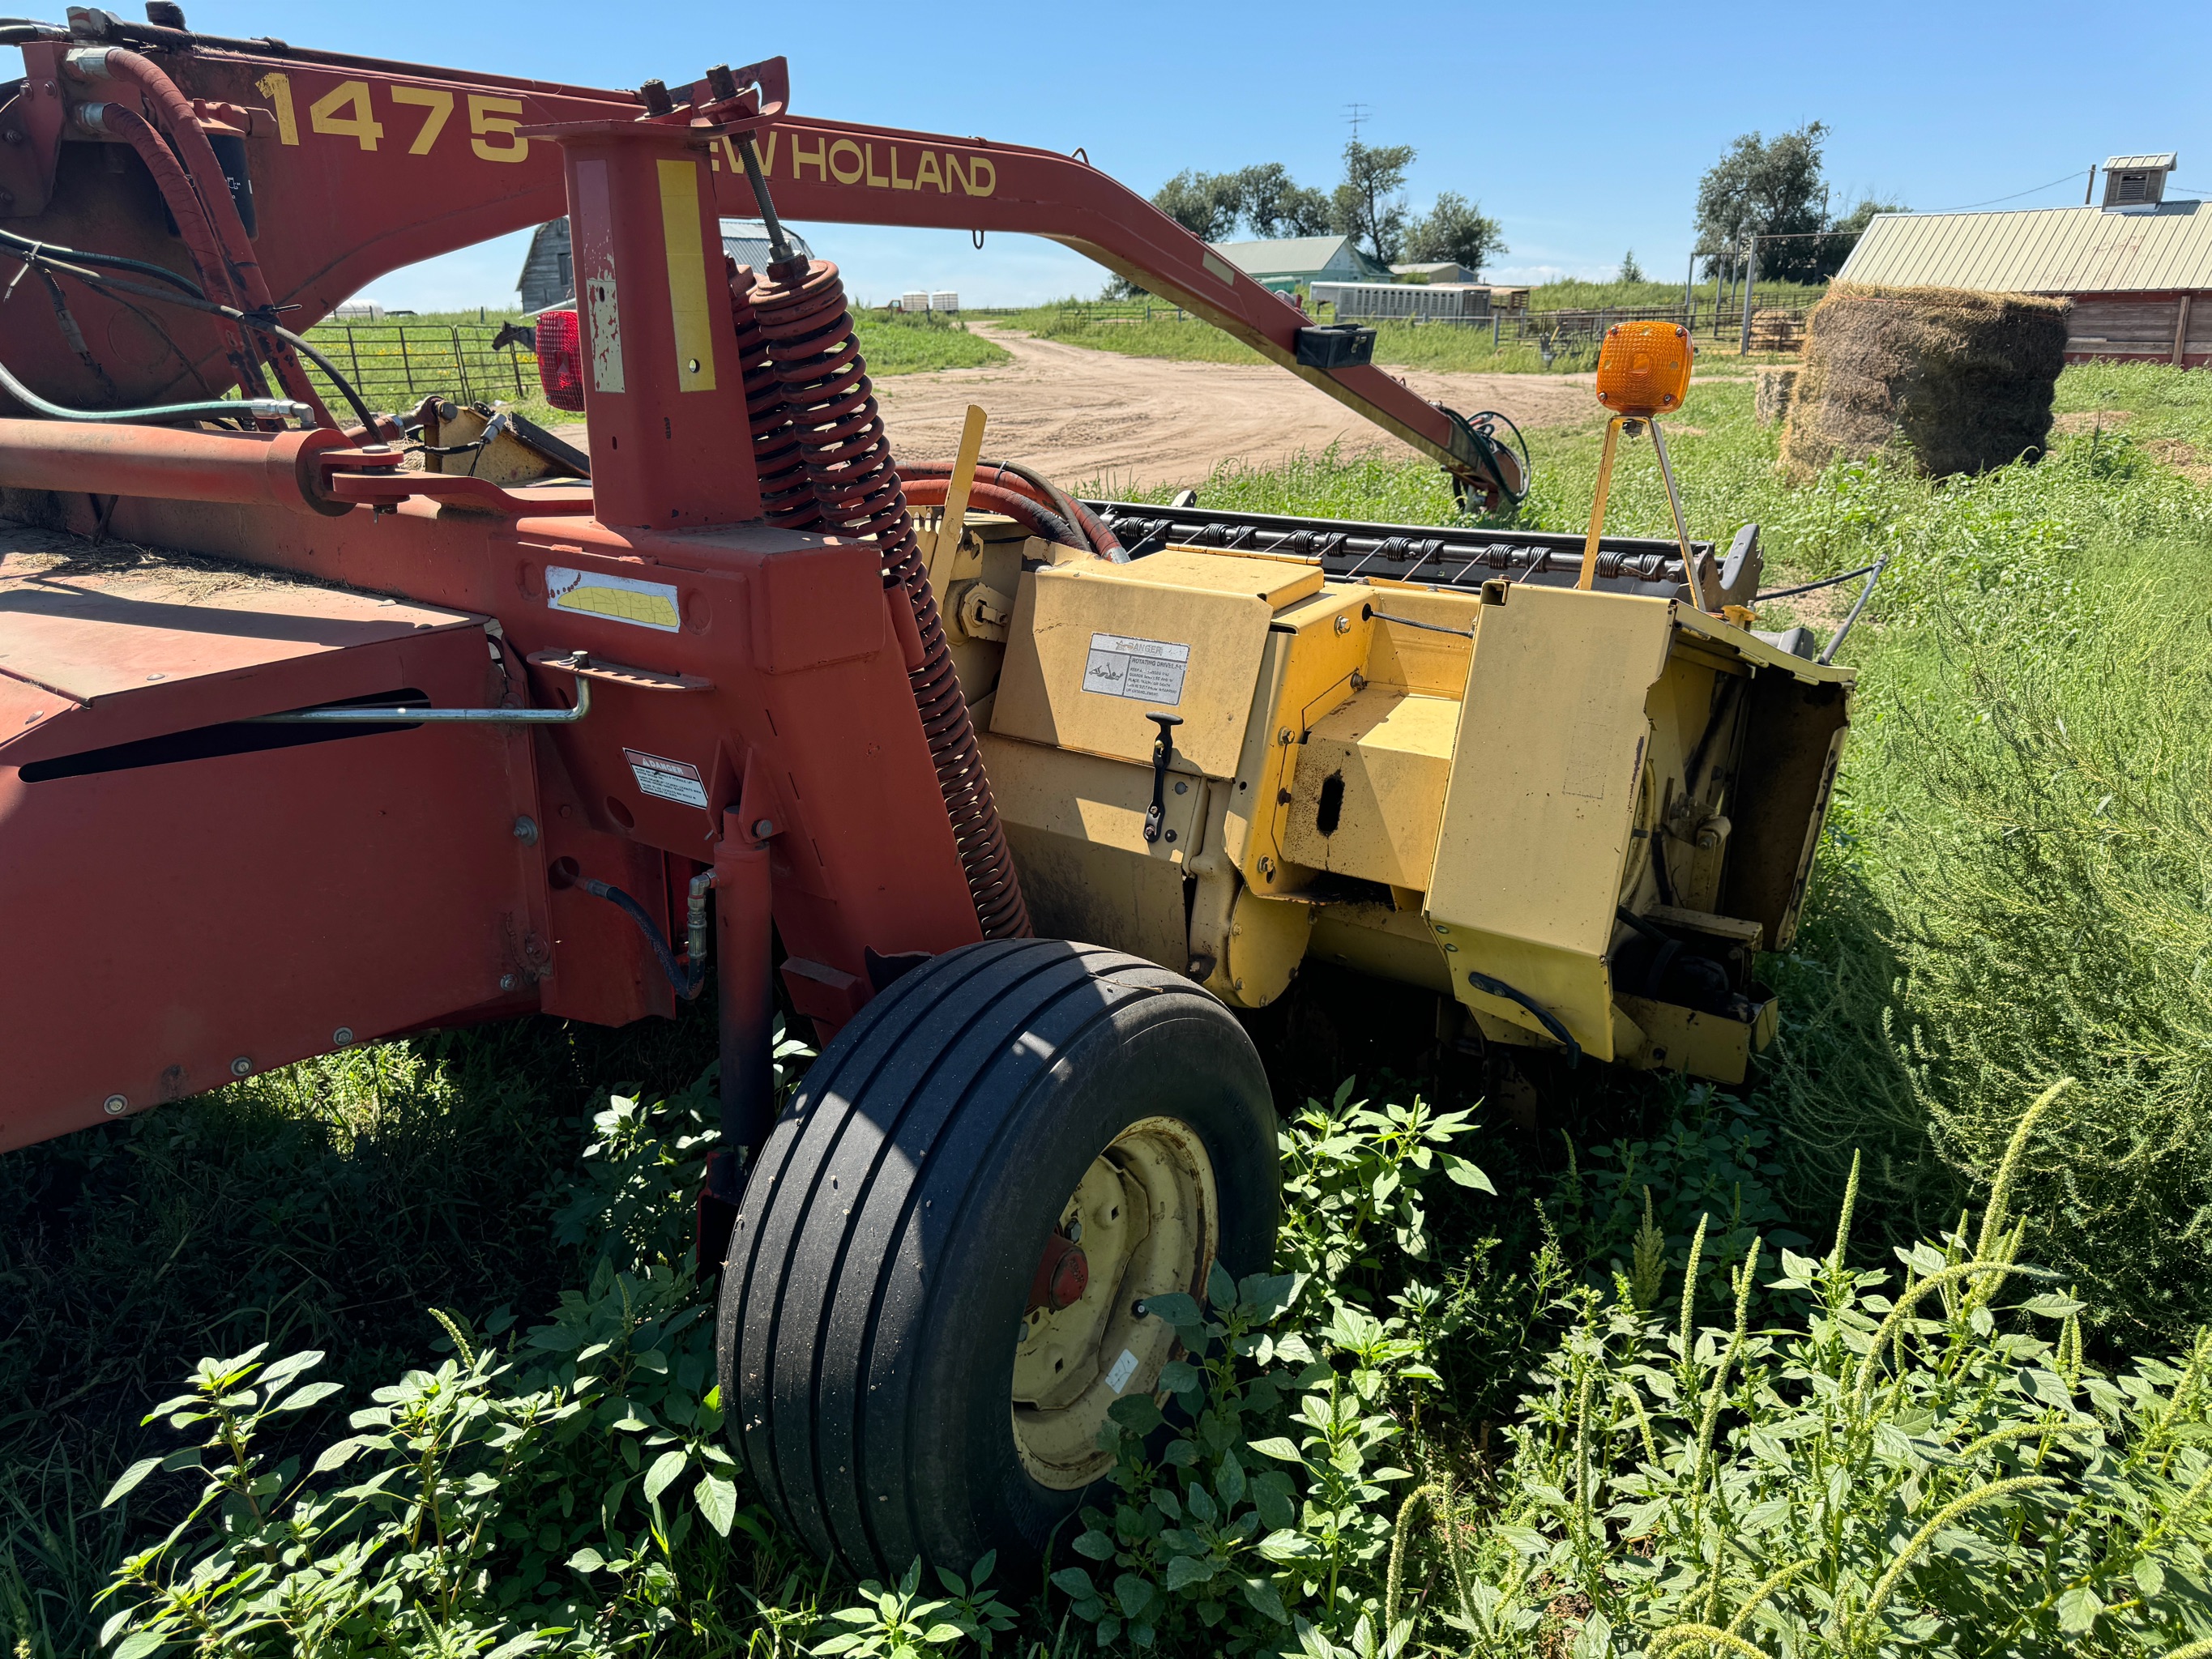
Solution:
(615, 598)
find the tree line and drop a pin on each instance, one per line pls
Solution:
(1368, 204)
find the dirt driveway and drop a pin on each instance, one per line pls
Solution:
(1096, 418)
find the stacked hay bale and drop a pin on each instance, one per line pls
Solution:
(1775, 330)
(1773, 390)
(1960, 381)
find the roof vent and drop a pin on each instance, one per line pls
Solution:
(2136, 182)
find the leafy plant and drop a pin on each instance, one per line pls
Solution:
(1925, 1469)
(897, 1624)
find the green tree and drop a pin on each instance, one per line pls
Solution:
(1368, 204)
(1766, 187)
(1273, 203)
(1206, 204)
(1629, 271)
(1455, 229)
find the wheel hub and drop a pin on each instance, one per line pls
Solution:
(1063, 1275)
(1141, 1223)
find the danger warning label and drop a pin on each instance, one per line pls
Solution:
(670, 779)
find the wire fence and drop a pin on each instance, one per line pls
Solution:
(1773, 328)
(393, 365)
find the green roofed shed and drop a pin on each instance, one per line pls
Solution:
(1298, 261)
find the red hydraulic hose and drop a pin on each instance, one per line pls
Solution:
(1003, 476)
(216, 208)
(169, 178)
(1037, 519)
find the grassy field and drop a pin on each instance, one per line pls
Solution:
(1654, 1380)
(1401, 346)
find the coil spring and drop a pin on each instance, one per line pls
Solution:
(786, 497)
(831, 406)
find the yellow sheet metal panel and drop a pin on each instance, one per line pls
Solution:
(1279, 581)
(1076, 824)
(1090, 655)
(1419, 658)
(1537, 819)
(1370, 786)
(1381, 941)
(1266, 943)
(1322, 643)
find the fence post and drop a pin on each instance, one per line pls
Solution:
(1750, 281)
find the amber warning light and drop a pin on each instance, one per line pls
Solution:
(1643, 368)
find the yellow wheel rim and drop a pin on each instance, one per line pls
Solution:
(1146, 1217)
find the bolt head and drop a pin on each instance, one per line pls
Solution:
(526, 831)
(1344, 625)
(1282, 736)
(343, 1038)
(240, 1067)
(763, 828)
(507, 982)
(115, 1105)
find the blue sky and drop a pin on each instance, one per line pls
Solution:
(1583, 128)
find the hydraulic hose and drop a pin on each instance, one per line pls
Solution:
(218, 209)
(1093, 535)
(259, 409)
(9, 239)
(1038, 520)
(686, 977)
(178, 195)
(45, 258)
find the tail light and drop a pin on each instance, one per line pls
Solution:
(560, 359)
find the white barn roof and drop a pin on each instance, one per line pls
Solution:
(2074, 250)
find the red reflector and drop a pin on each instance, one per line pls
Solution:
(560, 359)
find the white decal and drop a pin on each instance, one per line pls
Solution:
(1124, 1368)
(1149, 670)
(614, 598)
(670, 779)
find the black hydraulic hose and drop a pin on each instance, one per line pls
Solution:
(686, 978)
(1865, 593)
(8, 239)
(259, 409)
(44, 257)
(1809, 588)
(1545, 1016)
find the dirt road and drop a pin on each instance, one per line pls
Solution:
(1096, 418)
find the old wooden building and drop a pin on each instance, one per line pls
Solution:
(2138, 265)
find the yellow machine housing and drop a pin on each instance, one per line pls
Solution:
(1577, 815)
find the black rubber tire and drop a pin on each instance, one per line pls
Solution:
(891, 1230)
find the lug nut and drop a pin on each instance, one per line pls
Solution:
(721, 82)
(653, 94)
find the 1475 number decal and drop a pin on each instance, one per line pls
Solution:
(347, 110)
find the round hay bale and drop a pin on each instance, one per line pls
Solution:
(1773, 390)
(1960, 381)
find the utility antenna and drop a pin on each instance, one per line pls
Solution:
(1356, 114)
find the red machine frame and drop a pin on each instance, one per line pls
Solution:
(326, 892)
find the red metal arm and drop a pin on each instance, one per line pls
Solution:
(362, 166)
